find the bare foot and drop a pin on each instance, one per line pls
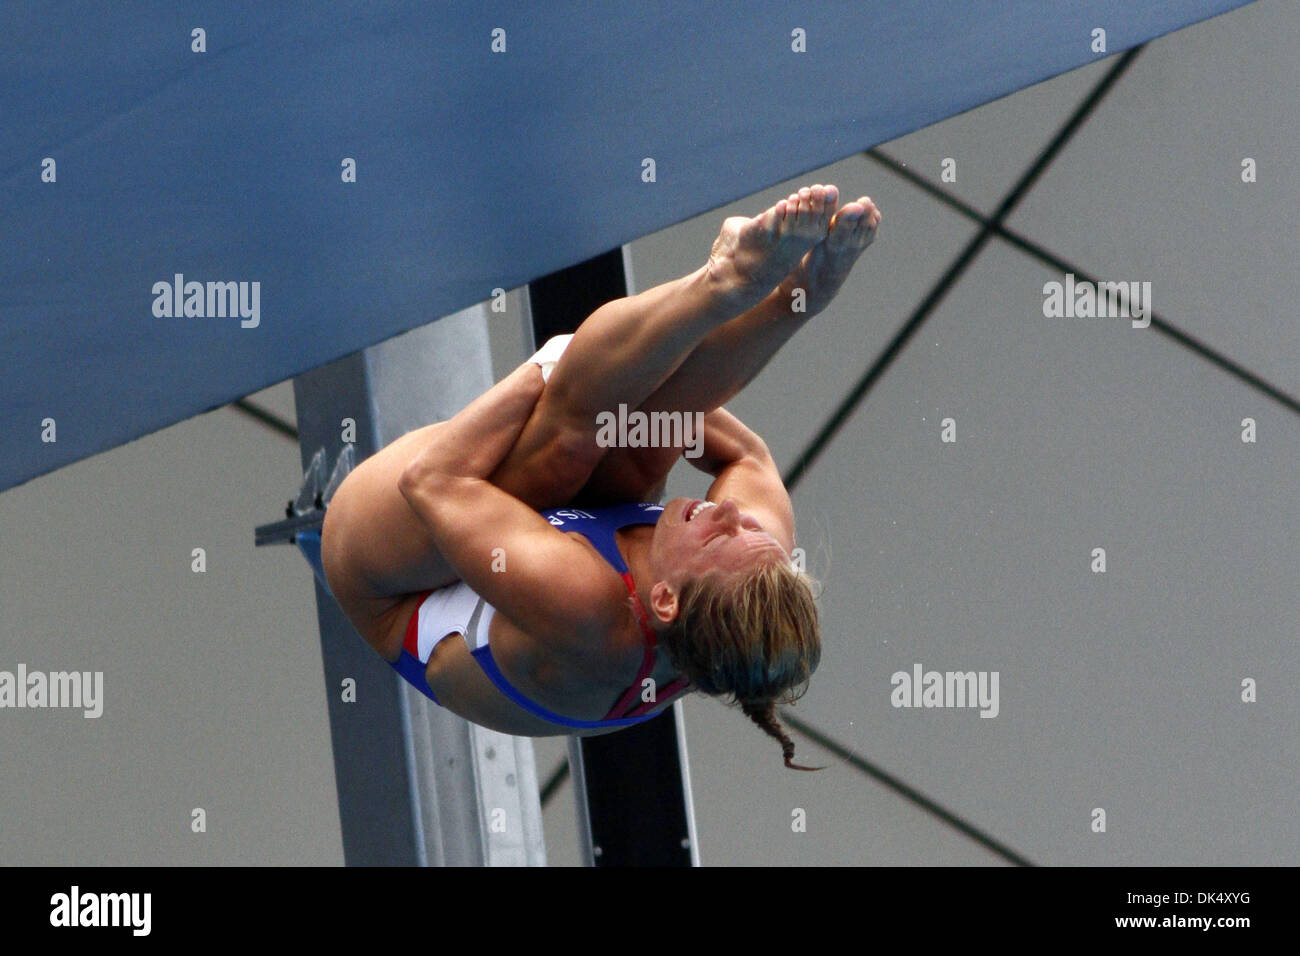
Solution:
(752, 255)
(827, 264)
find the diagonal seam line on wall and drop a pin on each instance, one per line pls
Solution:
(561, 773)
(902, 789)
(269, 419)
(1042, 254)
(849, 404)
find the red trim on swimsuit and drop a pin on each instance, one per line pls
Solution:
(620, 709)
(628, 704)
(412, 639)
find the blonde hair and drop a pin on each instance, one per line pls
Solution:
(753, 636)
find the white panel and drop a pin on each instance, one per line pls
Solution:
(1120, 690)
(278, 400)
(213, 683)
(992, 146)
(747, 803)
(1151, 187)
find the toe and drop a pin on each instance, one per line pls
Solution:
(773, 218)
(818, 201)
(805, 206)
(832, 196)
(872, 218)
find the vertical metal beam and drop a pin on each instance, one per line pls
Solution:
(417, 785)
(633, 787)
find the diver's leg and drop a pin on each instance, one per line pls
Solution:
(373, 545)
(732, 355)
(628, 347)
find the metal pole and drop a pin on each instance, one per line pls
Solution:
(417, 785)
(632, 788)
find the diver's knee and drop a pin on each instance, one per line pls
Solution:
(574, 453)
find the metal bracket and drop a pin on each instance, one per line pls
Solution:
(306, 512)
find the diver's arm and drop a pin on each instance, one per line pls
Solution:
(727, 440)
(743, 469)
(477, 439)
(511, 556)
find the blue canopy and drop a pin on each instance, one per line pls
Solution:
(199, 240)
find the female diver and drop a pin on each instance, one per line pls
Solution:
(587, 618)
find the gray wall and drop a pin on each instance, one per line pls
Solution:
(1119, 691)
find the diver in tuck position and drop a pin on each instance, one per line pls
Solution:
(587, 618)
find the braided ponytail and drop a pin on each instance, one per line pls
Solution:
(753, 637)
(763, 713)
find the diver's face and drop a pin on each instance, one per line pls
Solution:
(694, 537)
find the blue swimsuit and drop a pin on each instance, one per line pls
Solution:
(597, 525)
